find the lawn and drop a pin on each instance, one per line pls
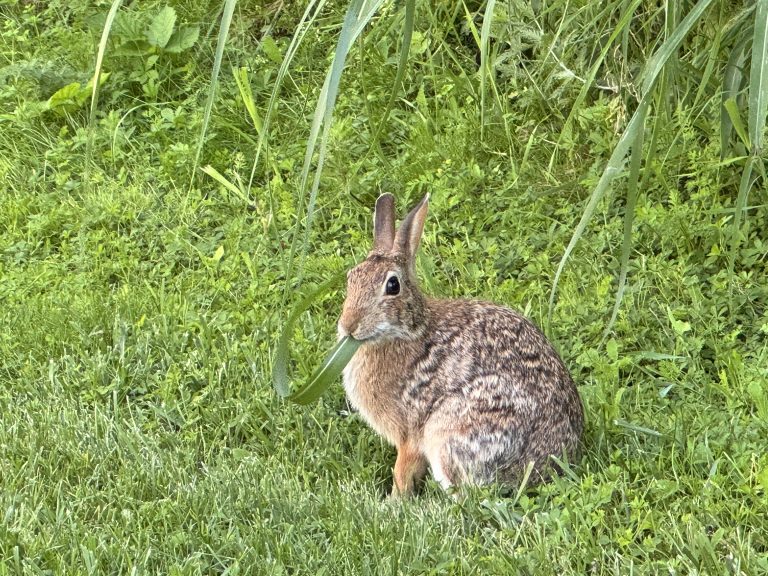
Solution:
(151, 252)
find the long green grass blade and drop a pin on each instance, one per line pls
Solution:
(713, 58)
(226, 21)
(311, 12)
(615, 164)
(616, 161)
(638, 429)
(280, 377)
(330, 370)
(410, 9)
(244, 87)
(629, 214)
(734, 71)
(97, 84)
(672, 65)
(357, 17)
(655, 64)
(523, 483)
(758, 108)
(471, 24)
(482, 40)
(221, 179)
(734, 117)
(758, 79)
(745, 184)
(485, 34)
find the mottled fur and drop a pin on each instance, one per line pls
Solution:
(471, 389)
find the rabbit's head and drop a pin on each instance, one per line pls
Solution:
(383, 299)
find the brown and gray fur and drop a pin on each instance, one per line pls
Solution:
(472, 390)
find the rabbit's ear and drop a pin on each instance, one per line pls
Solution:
(409, 234)
(384, 223)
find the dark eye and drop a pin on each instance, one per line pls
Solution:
(393, 286)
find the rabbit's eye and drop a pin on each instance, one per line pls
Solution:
(392, 287)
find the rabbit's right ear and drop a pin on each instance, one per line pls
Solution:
(408, 235)
(384, 223)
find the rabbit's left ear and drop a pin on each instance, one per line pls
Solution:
(384, 223)
(409, 234)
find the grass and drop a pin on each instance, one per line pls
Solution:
(139, 320)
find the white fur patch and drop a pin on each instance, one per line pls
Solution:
(440, 476)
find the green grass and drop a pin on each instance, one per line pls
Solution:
(139, 315)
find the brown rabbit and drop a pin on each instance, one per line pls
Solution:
(471, 389)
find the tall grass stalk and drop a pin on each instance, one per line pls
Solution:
(226, 21)
(732, 80)
(96, 84)
(410, 9)
(758, 79)
(305, 23)
(758, 108)
(485, 34)
(359, 14)
(636, 158)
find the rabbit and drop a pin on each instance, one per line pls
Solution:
(469, 389)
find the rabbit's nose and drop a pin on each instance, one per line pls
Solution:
(348, 323)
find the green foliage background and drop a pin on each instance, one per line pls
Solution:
(141, 300)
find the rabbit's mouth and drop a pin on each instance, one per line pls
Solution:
(355, 332)
(361, 335)
(380, 333)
